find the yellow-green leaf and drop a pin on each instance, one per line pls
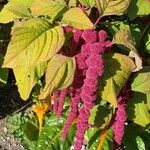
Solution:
(87, 3)
(76, 18)
(36, 41)
(138, 109)
(59, 74)
(27, 77)
(15, 9)
(124, 37)
(118, 68)
(112, 7)
(141, 82)
(48, 7)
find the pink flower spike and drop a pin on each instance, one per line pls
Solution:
(89, 36)
(102, 35)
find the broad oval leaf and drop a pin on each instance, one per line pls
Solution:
(118, 68)
(100, 115)
(59, 74)
(112, 7)
(138, 109)
(87, 3)
(48, 7)
(36, 41)
(76, 18)
(27, 77)
(138, 8)
(124, 37)
(141, 82)
(15, 9)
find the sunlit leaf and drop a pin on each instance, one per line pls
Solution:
(59, 74)
(118, 68)
(72, 3)
(27, 77)
(100, 116)
(76, 18)
(48, 7)
(138, 8)
(87, 3)
(112, 7)
(35, 41)
(15, 9)
(138, 109)
(125, 38)
(141, 82)
(50, 138)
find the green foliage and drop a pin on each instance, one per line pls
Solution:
(92, 136)
(100, 115)
(141, 82)
(124, 37)
(118, 69)
(50, 139)
(136, 138)
(138, 109)
(112, 7)
(39, 50)
(25, 45)
(71, 17)
(87, 3)
(138, 8)
(62, 71)
(53, 9)
(15, 9)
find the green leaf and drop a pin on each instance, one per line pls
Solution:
(138, 109)
(15, 9)
(108, 142)
(135, 29)
(3, 72)
(87, 3)
(125, 38)
(100, 116)
(92, 137)
(141, 82)
(59, 74)
(71, 17)
(50, 138)
(135, 137)
(118, 68)
(49, 7)
(138, 8)
(72, 3)
(27, 77)
(34, 41)
(112, 7)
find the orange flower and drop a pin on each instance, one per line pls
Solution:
(40, 109)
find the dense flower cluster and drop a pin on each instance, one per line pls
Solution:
(89, 69)
(121, 116)
(92, 50)
(63, 94)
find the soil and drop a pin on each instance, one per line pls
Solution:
(10, 102)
